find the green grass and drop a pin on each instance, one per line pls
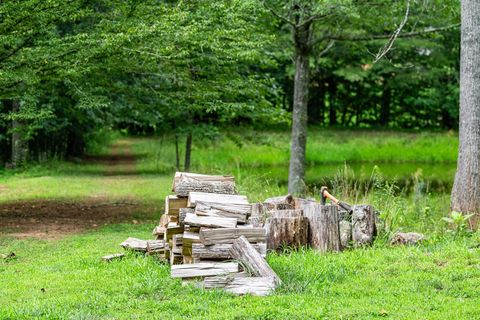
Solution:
(437, 280)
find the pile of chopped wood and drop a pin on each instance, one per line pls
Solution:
(214, 236)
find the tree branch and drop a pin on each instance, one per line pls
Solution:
(279, 16)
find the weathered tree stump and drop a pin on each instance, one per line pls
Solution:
(363, 225)
(324, 231)
(345, 233)
(286, 231)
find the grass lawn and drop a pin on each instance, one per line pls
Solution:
(65, 278)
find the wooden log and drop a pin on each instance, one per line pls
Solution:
(171, 230)
(183, 213)
(228, 235)
(345, 228)
(231, 210)
(164, 220)
(324, 231)
(257, 286)
(363, 225)
(134, 244)
(111, 257)
(185, 182)
(203, 269)
(289, 213)
(159, 231)
(155, 246)
(280, 203)
(210, 222)
(193, 197)
(257, 215)
(173, 204)
(286, 231)
(221, 251)
(243, 251)
(188, 239)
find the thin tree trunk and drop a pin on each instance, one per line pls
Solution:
(332, 112)
(296, 184)
(385, 109)
(19, 146)
(466, 188)
(188, 151)
(177, 154)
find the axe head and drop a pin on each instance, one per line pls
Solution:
(324, 198)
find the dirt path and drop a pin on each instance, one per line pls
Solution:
(52, 219)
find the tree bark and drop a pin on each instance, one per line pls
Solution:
(296, 184)
(188, 151)
(19, 146)
(466, 188)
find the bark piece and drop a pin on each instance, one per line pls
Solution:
(211, 222)
(243, 251)
(286, 231)
(184, 183)
(231, 210)
(193, 197)
(220, 251)
(324, 232)
(203, 269)
(257, 286)
(345, 233)
(228, 235)
(363, 225)
(407, 238)
(111, 257)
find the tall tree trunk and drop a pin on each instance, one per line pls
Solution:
(466, 188)
(296, 184)
(188, 151)
(19, 145)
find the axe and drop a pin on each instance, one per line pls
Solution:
(326, 195)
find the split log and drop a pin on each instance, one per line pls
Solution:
(221, 251)
(111, 257)
(407, 238)
(210, 222)
(188, 239)
(175, 259)
(203, 269)
(164, 220)
(193, 197)
(231, 210)
(134, 244)
(228, 235)
(288, 231)
(257, 215)
(171, 230)
(183, 213)
(173, 204)
(184, 183)
(280, 203)
(243, 251)
(257, 286)
(363, 225)
(324, 231)
(345, 233)
(155, 246)
(159, 231)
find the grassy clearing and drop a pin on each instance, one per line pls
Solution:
(65, 279)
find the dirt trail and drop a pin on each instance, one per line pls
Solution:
(52, 219)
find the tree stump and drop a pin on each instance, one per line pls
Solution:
(363, 225)
(286, 231)
(324, 231)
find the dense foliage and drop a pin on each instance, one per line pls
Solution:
(72, 70)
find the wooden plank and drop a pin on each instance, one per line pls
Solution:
(185, 182)
(324, 230)
(363, 225)
(243, 251)
(257, 286)
(221, 251)
(210, 222)
(228, 235)
(193, 197)
(111, 257)
(203, 269)
(134, 244)
(286, 232)
(230, 210)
